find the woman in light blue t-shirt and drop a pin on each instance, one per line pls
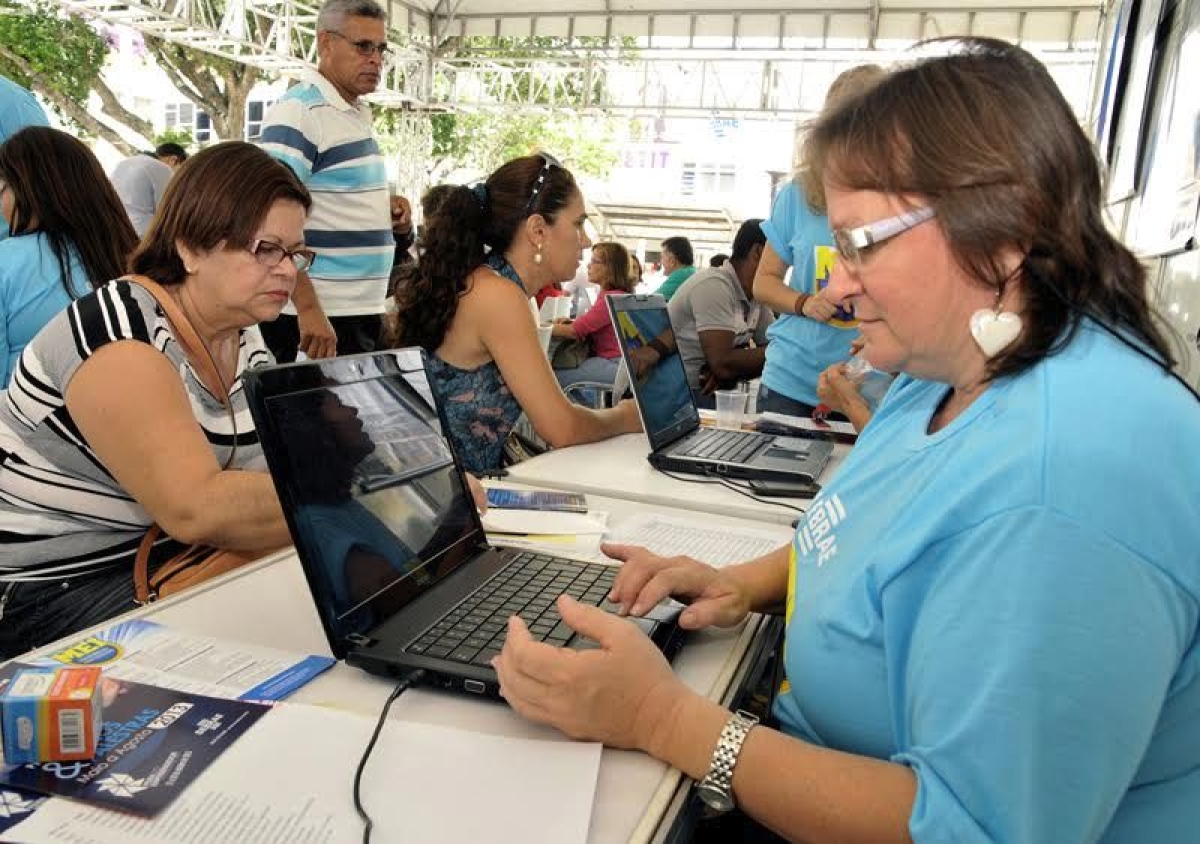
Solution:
(69, 233)
(993, 607)
(811, 333)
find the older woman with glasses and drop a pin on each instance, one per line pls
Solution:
(488, 250)
(993, 610)
(114, 421)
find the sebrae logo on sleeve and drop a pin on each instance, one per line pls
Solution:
(824, 257)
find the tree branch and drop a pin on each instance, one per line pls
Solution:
(69, 107)
(112, 107)
(201, 82)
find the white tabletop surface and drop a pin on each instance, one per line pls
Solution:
(268, 603)
(618, 467)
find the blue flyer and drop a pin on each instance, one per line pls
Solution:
(154, 743)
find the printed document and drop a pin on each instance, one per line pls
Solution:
(716, 545)
(288, 781)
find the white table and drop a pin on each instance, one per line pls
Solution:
(268, 603)
(618, 467)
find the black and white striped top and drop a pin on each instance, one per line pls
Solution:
(61, 512)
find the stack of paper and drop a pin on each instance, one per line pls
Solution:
(578, 533)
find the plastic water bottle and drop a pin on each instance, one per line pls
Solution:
(872, 383)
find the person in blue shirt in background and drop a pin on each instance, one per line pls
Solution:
(810, 333)
(69, 233)
(18, 109)
(993, 607)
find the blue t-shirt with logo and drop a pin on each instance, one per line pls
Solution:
(1009, 606)
(799, 348)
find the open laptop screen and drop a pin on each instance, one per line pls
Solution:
(378, 510)
(663, 397)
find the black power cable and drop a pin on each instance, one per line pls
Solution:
(401, 687)
(710, 477)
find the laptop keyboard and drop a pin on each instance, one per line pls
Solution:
(473, 632)
(725, 446)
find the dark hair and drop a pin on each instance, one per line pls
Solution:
(58, 182)
(164, 150)
(718, 260)
(681, 248)
(218, 198)
(616, 258)
(635, 274)
(987, 140)
(749, 235)
(433, 198)
(460, 230)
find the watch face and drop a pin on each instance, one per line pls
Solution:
(715, 798)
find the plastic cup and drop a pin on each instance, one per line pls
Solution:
(731, 405)
(562, 307)
(544, 332)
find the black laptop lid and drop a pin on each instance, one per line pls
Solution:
(663, 397)
(374, 499)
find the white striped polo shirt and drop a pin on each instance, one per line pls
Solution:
(331, 146)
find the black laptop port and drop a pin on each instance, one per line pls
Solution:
(475, 687)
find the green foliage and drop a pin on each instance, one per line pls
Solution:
(485, 140)
(60, 50)
(183, 137)
(532, 72)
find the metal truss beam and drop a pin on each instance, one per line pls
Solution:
(744, 62)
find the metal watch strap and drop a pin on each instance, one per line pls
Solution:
(719, 778)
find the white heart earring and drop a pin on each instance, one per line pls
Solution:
(995, 330)
(537, 256)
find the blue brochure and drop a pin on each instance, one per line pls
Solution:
(154, 743)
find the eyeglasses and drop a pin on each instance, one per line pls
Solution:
(548, 161)
(852, 244)
(365, 48)
(270, 254)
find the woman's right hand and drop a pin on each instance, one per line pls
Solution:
(818, 307)
(645, 579)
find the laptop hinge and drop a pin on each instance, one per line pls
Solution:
(359, 640)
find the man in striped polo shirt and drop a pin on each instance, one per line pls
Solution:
(323, 131)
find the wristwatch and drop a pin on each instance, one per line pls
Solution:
(716, 789)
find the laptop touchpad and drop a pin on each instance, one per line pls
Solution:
(788, 447)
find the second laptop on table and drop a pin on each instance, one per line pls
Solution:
(672, 422)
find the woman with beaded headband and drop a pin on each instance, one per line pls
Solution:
(487, 250)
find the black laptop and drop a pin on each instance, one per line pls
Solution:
(387, 531)
(672, 422)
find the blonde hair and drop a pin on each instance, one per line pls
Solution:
(848, 84)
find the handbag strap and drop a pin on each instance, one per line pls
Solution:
(193, 347)
(198, 353)
(185, 333)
